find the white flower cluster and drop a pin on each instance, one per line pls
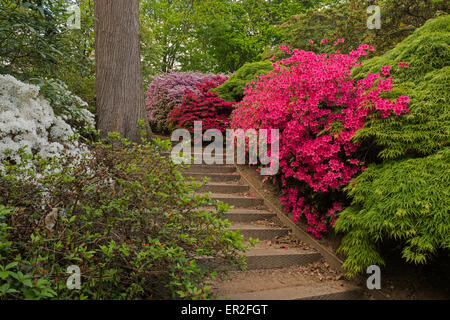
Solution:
(27, 121)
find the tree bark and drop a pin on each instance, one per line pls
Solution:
(119, 86)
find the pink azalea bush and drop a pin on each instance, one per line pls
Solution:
(166, 92)
(202, 105)
(317, 106)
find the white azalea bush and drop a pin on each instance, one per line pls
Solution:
(28, 123)
(71, 108)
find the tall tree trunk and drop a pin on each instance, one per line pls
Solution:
(119, 86)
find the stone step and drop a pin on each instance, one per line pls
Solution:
(197, 155)
(305, 292)
(259, 231)
(279, 258)
(246, 215)
(214, 177)
(240, 215)
(238, 201)
(259, 259)
(213, 168)
(204, 143)
(272, 270)
(224, 188)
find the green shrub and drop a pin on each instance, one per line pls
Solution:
(122, 213)
(427, 127)
(16, 277)
(233, 89)
(404, 197)
(407, 201)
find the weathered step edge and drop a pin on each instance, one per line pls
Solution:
(299, 293)
(245, 215)
(279, 258)
(271, 259)
(248, 217)
(238, 201)
(214, 177)
(262, 233)
(224, 188)
(204, 168)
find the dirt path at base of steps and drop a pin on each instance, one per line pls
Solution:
(315, 276)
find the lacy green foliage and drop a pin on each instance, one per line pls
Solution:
(29, 35)
(408, 201)
(123, 214)
(405, 198)
(233, 89)
(427, 127)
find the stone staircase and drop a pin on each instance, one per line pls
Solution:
(279, 267)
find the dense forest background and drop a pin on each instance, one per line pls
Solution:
(217, 36)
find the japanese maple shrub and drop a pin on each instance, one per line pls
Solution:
(203, 105)
(403, 199)
(317, 106)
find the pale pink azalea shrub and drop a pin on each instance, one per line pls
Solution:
(317, 106)
(166, 91)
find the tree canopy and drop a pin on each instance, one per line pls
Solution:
(211, 35)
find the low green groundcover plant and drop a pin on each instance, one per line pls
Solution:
(122, 213)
